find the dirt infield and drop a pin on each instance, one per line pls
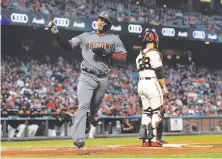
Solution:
(109, 151)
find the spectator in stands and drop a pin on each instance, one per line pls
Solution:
(127, 127)
(131, 12)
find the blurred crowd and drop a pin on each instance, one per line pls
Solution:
(130, 10)
(37, 87)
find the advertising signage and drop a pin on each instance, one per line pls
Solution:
(10, 17)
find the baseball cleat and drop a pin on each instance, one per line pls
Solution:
(156, 144)
(145, 143)
(162, 141)
(79, 144)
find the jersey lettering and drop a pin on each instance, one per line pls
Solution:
(97, 44)
(144, 64)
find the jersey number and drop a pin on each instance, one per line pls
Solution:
(144, 64)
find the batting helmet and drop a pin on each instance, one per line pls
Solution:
(150, 37)
(107, 17)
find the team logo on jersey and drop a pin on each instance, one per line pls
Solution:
(97, 44)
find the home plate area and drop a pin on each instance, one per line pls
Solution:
(120, 150)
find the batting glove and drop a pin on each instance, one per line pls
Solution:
(52, 26)
(104, 54)
(101, 52)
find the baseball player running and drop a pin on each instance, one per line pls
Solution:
(149, 65)
(99, 50)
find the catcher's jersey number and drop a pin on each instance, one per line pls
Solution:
(144, 64)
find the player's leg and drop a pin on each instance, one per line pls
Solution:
(160, 129)
(85, 90)
(144, 132)
(156, 101)
(96, 101)
(156, 118)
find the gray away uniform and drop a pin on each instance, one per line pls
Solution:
(93, 80)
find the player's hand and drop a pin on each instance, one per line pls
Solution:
(101, 52)
(52, 26)
(165, 91)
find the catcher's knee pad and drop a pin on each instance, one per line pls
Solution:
(143, 132)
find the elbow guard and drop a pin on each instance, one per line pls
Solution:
(159, 73)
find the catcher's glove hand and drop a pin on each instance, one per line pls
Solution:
(52, 26)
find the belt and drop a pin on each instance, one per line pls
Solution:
(144, 78)
(100, 75)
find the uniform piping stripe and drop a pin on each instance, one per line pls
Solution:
(159, 93)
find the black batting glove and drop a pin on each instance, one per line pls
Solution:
(101, 52)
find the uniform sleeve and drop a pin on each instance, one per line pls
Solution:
(76, 41)
(156, 60)
(119, 47)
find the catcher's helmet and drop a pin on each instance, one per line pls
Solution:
(150, 37)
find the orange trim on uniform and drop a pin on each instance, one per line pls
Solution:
(159, 93)
(119, 56)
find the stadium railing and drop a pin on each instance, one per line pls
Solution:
(112, 126)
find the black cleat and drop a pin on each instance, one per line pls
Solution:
(79, 144)
(162, 141)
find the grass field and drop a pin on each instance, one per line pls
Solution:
(129, 147)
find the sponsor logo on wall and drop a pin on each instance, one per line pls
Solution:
(19, 18)
(116, 28)
(182, 34)
(62, 22)
(168, 32)
(198, 34)
(79, 25)
(213, 37)
(38, 21)
(134, 28)
(94, 25)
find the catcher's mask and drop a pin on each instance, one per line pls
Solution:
(151, 37)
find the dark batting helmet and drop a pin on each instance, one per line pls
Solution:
(107, 17)
(150, 37)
